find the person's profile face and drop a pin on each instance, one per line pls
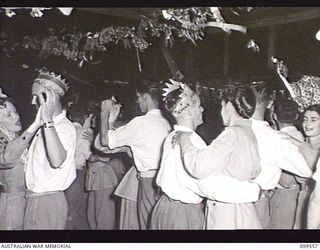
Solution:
(141, 102)
(9, 117)
(311, 123)
(37, 90)
(197, 111)
(224, 113)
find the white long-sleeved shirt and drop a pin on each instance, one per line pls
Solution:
(276, 154)
(179, 185)
(145, 136)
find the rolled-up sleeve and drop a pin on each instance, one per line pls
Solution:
(107, 150)
(126, 135)
(12, 152)
(289, 157)
(67, 135)
(316, 175)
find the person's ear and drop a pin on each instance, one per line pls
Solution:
(146, 97)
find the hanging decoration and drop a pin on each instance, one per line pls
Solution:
(187, 24)
(138, 59)
(253, 45)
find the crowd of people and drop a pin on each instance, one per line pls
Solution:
(79, 169)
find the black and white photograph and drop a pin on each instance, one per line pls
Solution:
(120, 120)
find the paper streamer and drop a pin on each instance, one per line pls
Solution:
(138, 58)
(227, 26)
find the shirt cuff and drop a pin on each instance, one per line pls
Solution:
(316, 176)
(111, 139)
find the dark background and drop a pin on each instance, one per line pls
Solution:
(295, 43)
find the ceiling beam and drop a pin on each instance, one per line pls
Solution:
(290, 18)
(125, 13)
(135, 14)
(277, 20)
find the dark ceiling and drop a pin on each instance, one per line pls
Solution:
(259, 15)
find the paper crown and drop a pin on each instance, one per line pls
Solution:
(2, 95)
(55, 78)
(185, 98)
(172, 87)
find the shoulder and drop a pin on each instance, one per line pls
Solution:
(66, 126)
(136, 120)
(230, 131)
(77, 127)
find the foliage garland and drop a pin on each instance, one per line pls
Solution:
(185, 23)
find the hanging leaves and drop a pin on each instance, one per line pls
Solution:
(185, 23)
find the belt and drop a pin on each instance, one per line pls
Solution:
(265, 193)
(31, 194)
(148, 174)
(295, 187)
(12, 189)
(214, 203)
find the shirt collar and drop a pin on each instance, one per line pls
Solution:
(182, 128)
(77, 124)
(259, 122)
(59, 117)
(288, 129)
(154, 112)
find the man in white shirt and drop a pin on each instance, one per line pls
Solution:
(144, 135)
(275, 152)
(50, 167)
(283, 203)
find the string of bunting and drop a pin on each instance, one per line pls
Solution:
(184, 23)
(203, 90)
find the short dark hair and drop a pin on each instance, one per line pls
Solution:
(151, 88)
(263, 91)
(242, 98)
(77, 112)
(286, 110)
(315, 107)
(6, 99)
